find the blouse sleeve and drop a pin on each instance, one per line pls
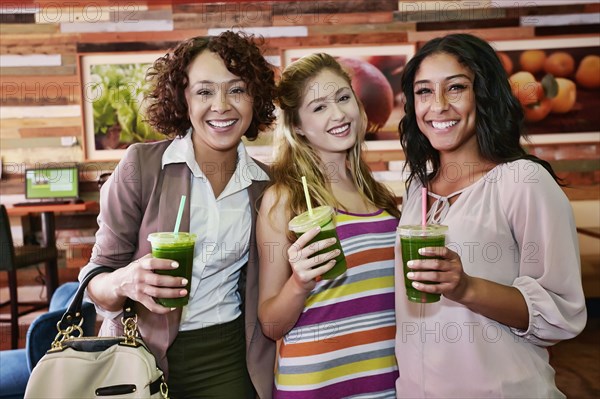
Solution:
(543, 226)
(119, 219)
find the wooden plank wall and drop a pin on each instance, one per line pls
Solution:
(40, 86)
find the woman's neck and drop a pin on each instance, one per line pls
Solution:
(217, 166)
(459, 170)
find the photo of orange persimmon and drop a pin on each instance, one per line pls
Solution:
(560, 64)
(538, 111)
(532, 60)
(526, 88)
(588, 72)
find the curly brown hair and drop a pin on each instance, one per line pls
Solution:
(167, 111)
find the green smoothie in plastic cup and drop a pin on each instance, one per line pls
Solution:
(412, 238)
(322, 216)
(180, 248)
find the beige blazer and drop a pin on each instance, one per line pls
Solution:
(141, 198)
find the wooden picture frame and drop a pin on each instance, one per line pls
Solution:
(113, 86)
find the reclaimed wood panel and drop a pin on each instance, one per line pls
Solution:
(39, 90)
(47, 111)
(47, 121)
(523, 32)
(42, 70)
(112, 47)
(38, 39)
(110, 26)
(567, 30)
(315, 30)
(289, 8)
(222, 15)
(37, 155)
(530, 9)
(133, 15)
(73, 13)
(276, 44)
(460, 14)
(25, 60)
(28, 29)
(29, 48)
(6, 18)
(469, 24)
(29, 132)
(66, 4)
(129, 37)
(332, 19)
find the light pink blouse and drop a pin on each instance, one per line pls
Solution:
(514, 226)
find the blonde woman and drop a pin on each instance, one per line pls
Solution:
(336, 334)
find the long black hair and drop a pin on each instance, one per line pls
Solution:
(499, 123)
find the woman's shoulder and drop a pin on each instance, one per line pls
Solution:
(521, 172)
(147, 152)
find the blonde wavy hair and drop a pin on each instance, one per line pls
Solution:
(295, 156)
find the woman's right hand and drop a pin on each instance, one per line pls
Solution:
(139, 282)
(304, 265)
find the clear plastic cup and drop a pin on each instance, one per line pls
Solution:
(178, 247)
(412, 238)
(322, 216)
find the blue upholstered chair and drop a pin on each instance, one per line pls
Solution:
(16, 364)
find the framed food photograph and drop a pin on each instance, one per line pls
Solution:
(113, 89)
(375, 72)
(557, 80)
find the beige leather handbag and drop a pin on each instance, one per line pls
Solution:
(94, 367)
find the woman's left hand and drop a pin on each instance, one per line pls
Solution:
(447, 272)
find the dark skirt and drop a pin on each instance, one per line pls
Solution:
(210, 363)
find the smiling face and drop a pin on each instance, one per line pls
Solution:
(219, 105)
(445, 103)
(329, 113)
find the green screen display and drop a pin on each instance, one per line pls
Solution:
(52, 183)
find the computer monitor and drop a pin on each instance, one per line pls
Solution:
(53, 182)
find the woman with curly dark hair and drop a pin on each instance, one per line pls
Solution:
(509, 276)
(206, 94)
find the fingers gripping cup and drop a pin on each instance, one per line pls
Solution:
(180, 248)
(412, 238)
(321, 216)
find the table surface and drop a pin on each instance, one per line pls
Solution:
(25, 210)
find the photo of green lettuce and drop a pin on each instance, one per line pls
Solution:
(118, 93)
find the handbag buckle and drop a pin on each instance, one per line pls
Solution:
(130, 331)
(64, 334)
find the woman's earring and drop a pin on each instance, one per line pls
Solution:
(298, 131)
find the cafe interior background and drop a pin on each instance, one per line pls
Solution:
(56, 55)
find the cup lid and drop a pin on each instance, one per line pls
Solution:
(321, 215)
(422, 231)
(163, 238)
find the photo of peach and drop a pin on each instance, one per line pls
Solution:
(557, 85)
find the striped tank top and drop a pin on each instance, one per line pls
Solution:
(343, 343)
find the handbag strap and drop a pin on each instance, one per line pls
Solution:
(72, 319)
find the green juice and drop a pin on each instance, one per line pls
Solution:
(340, 260)
(322, 216)
(180, 248)
(410, 247)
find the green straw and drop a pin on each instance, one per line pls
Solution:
(179, 214)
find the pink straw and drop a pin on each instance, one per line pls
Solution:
(424, 206)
